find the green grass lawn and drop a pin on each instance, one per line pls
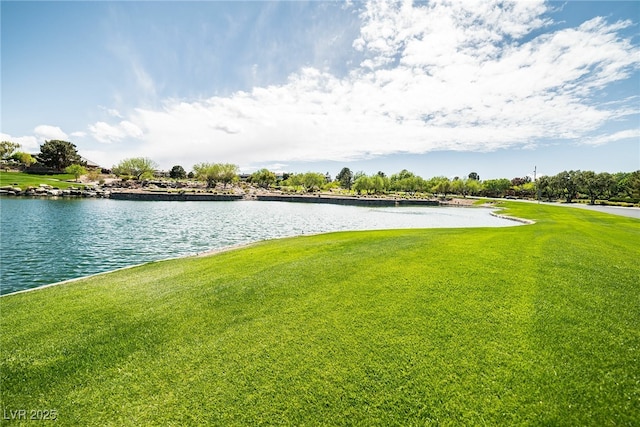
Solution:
(528, 325)
(24, 180)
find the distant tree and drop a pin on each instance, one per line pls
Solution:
(625, 184)
(381, 174)
(473, 187)
(213, 173)
(442, 186)
(380, 183)
(7, 148)
(312, 181)
(363, 184)
(520, 181)
(208, 172)
(228, 173)
(358, 175)
(345, 177)
(569, 183)
(474, 176)
(406, 181)
(633, 185)
(24, 158)
(136, 167)
(545, 187)
(610, 186)
(177, 172)
(496, 187)
(591, 185)
(458, 187)
(263, 178)
(76, 170)
(58, 154)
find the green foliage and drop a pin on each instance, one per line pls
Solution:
(177, 172)
(441, 185)
(495, 187)
(212, 173)
(345, 177)
(408, 182)
(136, 167)
(263, 178)
(398, 327)
(309, 181)
(58, 154)
(363, 184)
(580, 184)
(7, 148)
(23, 158)
(76, 170)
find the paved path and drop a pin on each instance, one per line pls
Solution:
(615, 210)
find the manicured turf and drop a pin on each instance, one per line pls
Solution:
(530, 325)
(24, 180)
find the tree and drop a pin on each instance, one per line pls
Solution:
(345, 177)
(58, 154)
(312, 181)
(496, 187)
(442, 185)
(473, 187)
(625, 184)
(458, 186)
(228, 173)
(363, 184)
(406, 181)
(380, 183)
(263, 178)
(76, 170)
(24, 158)
(569, 183)
(177, 172)
(546, 188)
(591, 185)
(213, 173)
(7, 148)
(136, 167)
(474, 176)
(208, 172)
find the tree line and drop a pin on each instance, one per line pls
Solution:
(567, 185)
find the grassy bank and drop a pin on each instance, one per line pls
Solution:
(25, 180)
(536, 324)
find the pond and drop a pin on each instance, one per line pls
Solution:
(44, 241)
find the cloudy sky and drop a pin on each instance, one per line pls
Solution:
(437, 87)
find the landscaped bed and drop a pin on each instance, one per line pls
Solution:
(536, 324)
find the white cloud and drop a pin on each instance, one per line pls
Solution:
(447, 75)
(27, 143)
(47, 132)
(630, 134)
(107, 134)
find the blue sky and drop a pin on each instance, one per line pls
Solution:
(439, 88)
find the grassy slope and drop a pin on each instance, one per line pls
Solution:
(536, 325)
(25, 180)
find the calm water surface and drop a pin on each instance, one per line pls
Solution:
(44, 241)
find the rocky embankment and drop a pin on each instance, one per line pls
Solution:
(44, 190)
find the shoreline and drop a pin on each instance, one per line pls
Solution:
(206, 253)
(276, 197)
